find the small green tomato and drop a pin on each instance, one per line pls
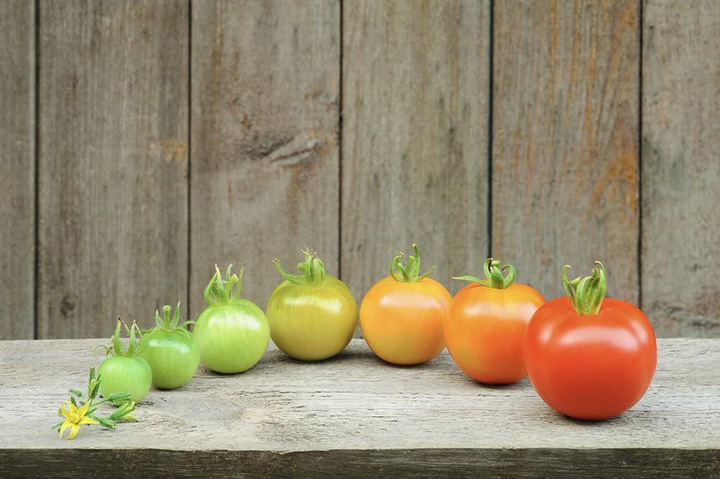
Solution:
(124, 371)
(171, 351)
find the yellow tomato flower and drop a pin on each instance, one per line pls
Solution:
(74, 418)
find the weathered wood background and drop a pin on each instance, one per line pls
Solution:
(145, 141)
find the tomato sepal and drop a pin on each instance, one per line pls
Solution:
(586, 294)
(117, 348)
(221, 291)
(312, 269)
(495, 276)
(410, 271)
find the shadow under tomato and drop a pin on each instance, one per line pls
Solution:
(558, 416)
(516, 386)
(501, 387)
(210, 372)
(342, 356)
(378, 360)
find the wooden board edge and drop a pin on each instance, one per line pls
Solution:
(420, 463)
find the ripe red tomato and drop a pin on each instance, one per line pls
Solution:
(402, 315)
(487, 322)
(589, 357)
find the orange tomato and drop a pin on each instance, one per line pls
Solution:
(486, 325)
(402, 315)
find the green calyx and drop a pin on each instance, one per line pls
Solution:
(495, 276)
(221, 290)
(117, 347)
(586, 294)
(312, 269)
(167, 324)
(410, 271)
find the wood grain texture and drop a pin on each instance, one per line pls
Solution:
(680, 167)
(358, 414)
(112, 161)
(17, 169)
(265, 89)
(415, 130)
(372, 464)
(565, 141)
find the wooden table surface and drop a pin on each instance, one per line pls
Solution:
(356, 416)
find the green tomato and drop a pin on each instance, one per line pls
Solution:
(232, 333)
(125, 371)
(312, 316)
(121, 374)
(171, 351)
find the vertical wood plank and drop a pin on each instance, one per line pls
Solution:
(17, 169)
(265, 94)
(565, 140)
(681, 168)
(415, 130)
(113, 162)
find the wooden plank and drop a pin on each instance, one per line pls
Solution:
(565, 141)
(680, 167)
(113, 162)
(265, 92)
(416, 464)
(17, 169)
(415, 122)
(361, 415)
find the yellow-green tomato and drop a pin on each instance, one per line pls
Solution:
(232, 333)
(312, 316)
(171, 351)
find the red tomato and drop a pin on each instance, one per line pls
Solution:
(486, 325)
(402, 315)
(590, 358)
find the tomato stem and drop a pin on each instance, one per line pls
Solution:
(312, 269)
(586, 294)
(494, 275)
(117, 347)
(223, 291)
(410, 272)
(166, 323)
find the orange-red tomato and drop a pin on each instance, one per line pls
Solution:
(402, 317)
(593, 364)
(486, 329)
